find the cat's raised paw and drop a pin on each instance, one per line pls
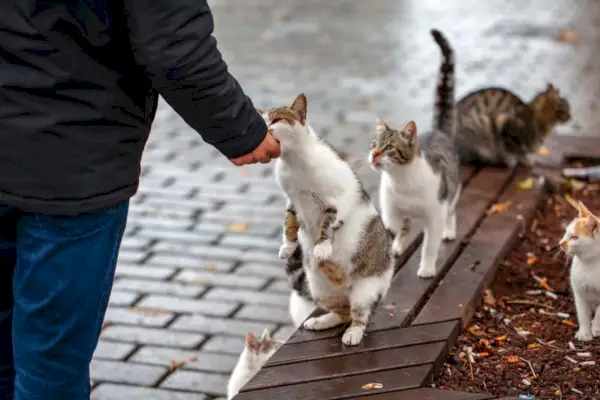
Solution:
(426, 271)
(584, 335)
(323, 250)
(323, 322)
(287, 249)
(353, 336)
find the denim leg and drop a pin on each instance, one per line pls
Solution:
(8, 255)
(62, 281)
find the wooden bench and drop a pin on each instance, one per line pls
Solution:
(413, 329)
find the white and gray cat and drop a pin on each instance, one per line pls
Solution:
(582, 241)
(345, 247)
(421, 175)
(255, 354)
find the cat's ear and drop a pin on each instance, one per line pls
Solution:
(252, 342)
(583, 211)
(592, 224)
(299, 107)
(266, 336)
(410, 130)
(380, 126)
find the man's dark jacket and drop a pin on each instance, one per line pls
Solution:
(79, 84)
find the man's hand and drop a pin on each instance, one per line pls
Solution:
(267, 150)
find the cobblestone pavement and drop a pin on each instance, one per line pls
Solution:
(198, 267)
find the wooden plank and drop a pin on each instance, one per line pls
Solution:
(408, 291)
(345, 387)
(492, 241)
(480, 190)
(427, 394)
(343, 366)
(379, 340)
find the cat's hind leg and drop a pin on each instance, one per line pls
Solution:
(449, 233)
(325, 321)
(365, 295)
(435, 224)
(596, 324)
(394, 221)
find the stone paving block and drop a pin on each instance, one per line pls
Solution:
(190, 204)
(262, 312)
(159, 287)
(135, 244)
(216, 326)
(248, 241)
(270, 257)
(260, 269)
(203, 361)
(209, 252)
(152, 272)
(182, 236)
(214, 384)
(122, 372)
(169, 191)
(179, 305)
(248, 296)
(189, 261)
(151, 336)
(118, 298)
(218, 279)
(280, 285)
(226, 344)
(218, 216)
(152, 210)
(113, 350)
(109, 391)
(131, 256)
(157, 223)
(138, 316)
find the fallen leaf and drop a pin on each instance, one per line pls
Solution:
(531, 260)
(533, 346)
(371, 386)
(525, 184)
(179, 363)
(488, 298)
(198, 282)
(568, 323)
(568, 35)
(512, 359)
(577, 185)
(545, 285)
(544, 151)
(210, 267)
(237, 228)
(499, 208)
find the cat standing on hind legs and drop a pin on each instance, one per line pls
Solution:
(345, 247)
(582, 241)
(421, 175)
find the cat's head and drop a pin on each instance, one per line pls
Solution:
(258, 351)
(287, 124)
(582, 235)
(392, 146)
(551, 108)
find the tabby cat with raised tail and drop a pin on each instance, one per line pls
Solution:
(496, 127)
(345, 247)
(420, 174)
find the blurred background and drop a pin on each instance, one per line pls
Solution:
(199, 266)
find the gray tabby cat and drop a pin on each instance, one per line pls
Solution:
(345, 246)
(420, 175)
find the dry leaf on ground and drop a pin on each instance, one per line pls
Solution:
(499, 208)
(237, 227)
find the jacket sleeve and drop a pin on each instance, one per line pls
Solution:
(172, 40)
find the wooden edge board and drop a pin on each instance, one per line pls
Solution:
(478, 262)
(427, 394)
(378, 340)
(392, 380)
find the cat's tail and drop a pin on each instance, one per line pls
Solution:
(444, 114)
(296, 274)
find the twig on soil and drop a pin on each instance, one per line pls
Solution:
(550, 346)
(529, 303)
(530, 366)
(470, 364)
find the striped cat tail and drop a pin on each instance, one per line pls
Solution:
(295, 272)
(444, 112)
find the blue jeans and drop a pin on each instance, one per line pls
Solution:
(56, 274)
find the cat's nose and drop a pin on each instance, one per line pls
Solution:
(374, 157)
(564, 244)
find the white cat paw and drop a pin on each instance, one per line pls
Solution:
(584, 335)
(287, 249)
(353, 336)
(397, 247)
(596, 331)
(449, 235)
(426, 271)
(323, 251)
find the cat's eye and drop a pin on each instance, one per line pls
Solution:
(389, 147)
(372, 144)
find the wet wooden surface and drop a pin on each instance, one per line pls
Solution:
(411, 331)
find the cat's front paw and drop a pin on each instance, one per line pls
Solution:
(584, 335)
(397, 246)
(596, 329)
(353, 336)
(449, 235)
(426, 271)
(323, 250)
(287, 249)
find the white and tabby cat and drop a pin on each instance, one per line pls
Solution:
(344, 243)
(301, 302)
(420, 174)
(255, 354)
(582, 241)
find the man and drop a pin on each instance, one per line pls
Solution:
(78, 93)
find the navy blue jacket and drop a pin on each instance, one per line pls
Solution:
(79, 84)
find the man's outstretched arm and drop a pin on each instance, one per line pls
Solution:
(172, 40)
